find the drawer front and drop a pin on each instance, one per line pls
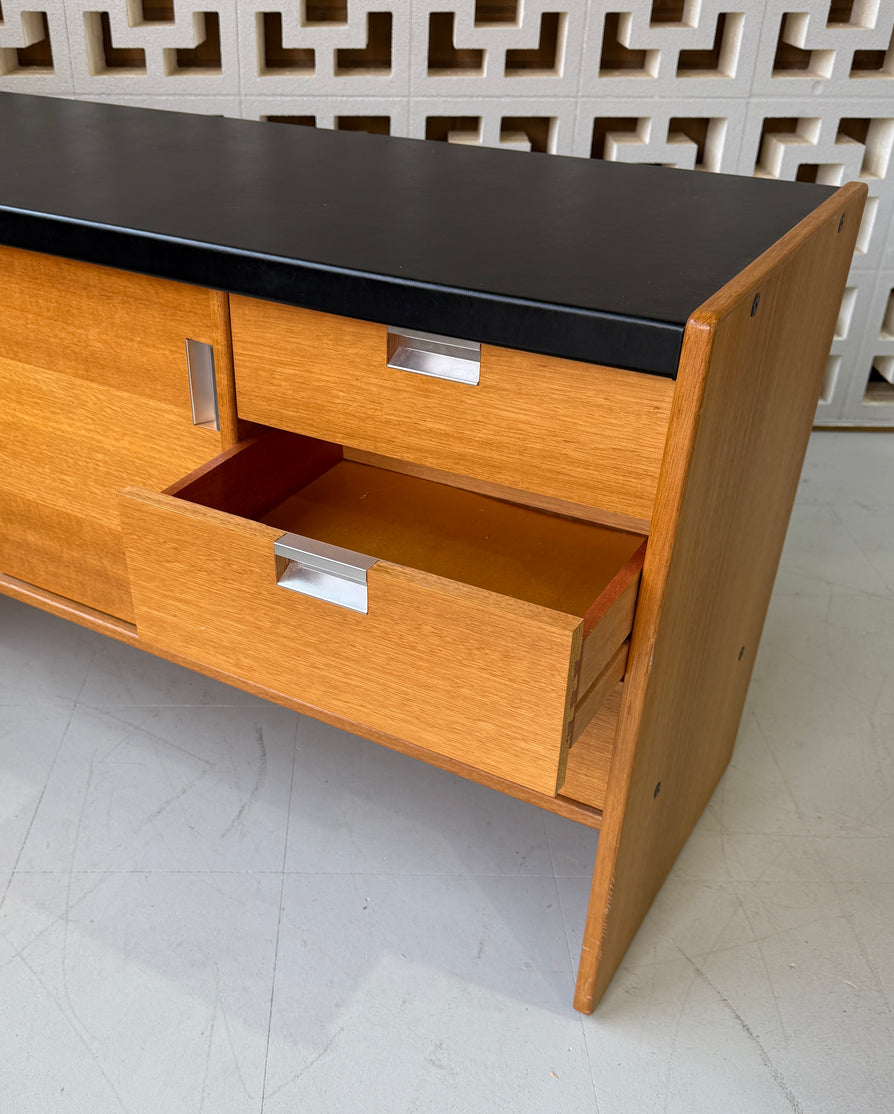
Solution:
(465, 673)
(94, 395)
(578, 432)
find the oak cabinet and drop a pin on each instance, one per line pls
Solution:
(503, 488)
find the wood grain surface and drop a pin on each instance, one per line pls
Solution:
(470, 596)
(251, 478)
(127, 633)
(590, 700)
(471, 656)
(504, 548)
(750, 375)
(615, 624)
(577, 432)
(579, 568)
(589, 759)
(469, 674)
(578, 511)
(95, 396)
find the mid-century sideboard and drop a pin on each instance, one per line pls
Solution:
(488, 457)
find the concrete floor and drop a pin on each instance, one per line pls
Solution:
(210, 904)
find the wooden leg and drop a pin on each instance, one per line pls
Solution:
(585, 998)
(757, 349)
(633, 858)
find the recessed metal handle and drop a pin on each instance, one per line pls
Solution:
(326, 572)
(437, 356)
(202, 384)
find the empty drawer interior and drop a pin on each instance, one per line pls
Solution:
(303, 486)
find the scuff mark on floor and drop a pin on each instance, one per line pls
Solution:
(775, 1073)
(260, 778)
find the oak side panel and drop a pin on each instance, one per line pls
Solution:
(94, 395)
(746, 396)
(576, 432)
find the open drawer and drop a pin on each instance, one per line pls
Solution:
(481, 630)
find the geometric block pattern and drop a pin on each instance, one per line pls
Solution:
(499, 48)
(829, 143)
(835, 49)
(690, 135)
(791, 89)
(881, 337)
(34, 51)
(324, 47)
(141, 46)
(704, 49)
(869, 398)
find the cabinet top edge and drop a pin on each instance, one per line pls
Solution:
(576, 258)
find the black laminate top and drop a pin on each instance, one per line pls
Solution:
(590, 260)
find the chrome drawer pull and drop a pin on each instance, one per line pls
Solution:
(437, 356)
(326, 572)
(202, 384)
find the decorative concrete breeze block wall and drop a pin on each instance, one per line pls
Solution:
(779, 88)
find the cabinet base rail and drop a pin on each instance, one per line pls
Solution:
(127, 633)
